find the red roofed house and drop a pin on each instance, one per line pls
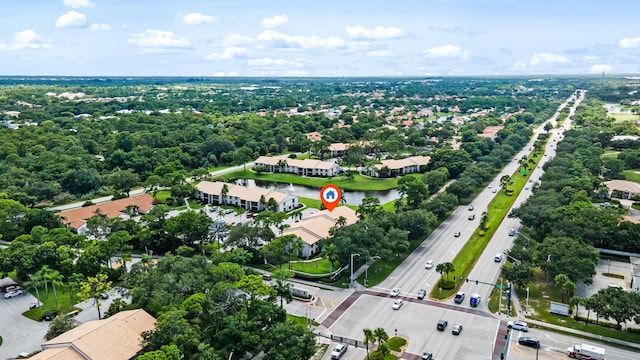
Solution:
(76, 219)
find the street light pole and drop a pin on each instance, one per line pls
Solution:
(548, 260)
(351, 268)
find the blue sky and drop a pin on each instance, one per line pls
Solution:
(318, 38)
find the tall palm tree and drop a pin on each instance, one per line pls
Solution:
(283, 287)
(43, 273)
(369, 338)
(380, 335)
(55, 278)
(223, 194)
(34, 280)
(73, 281)
(331, 253)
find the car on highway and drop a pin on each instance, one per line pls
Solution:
(442, 324)
(497, 258)
(395, 292)
(472, 216)
(338, 351)
(397, 304)
(422, 293)
(426, 356)
(429, 264)
(12, 294)
(494, 191)
(526, 188)
(518, 325)
(457, 328)
(459, 297)
(512, 232)
(470, 207)
(456, 234)
(528, 341)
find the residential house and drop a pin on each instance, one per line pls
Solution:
(306, 167)
(125, 208)
(391, 167)
(251, 199)
(118, 337)
(622, 189)
(316, 226)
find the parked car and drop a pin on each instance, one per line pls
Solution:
(338, 351)
(427, 356)
(12, 288)
(442, 324)
(49, 315)
(397, 304)
(527, 341)
(429, 264)
(457, 328)
(518, 325)
(12, 294)
(422, 293)
(395, 292)
(104, 296)
(459, 297)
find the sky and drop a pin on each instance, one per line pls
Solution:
(311, 38)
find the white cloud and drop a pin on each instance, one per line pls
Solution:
(77, 4)
(237, 39)
(222, 73)
(629, 42)
(270, 62)
(600, 68)
(99, 27)
(158, 41)
(547, 58)
(380, 32)
(380, 53)
(26, 39)
(274, 21)
(228, 53)
(278, 39)
(72, 18)
(590, 58)
(198, 18)
(444, 51)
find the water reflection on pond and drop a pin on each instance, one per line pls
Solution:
(352, 197)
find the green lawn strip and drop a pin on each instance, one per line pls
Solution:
(494, 301)
(632, 175)
(467, 257)
(316, 266)
(162, 196)
(301, 321)
(359, 182)
(540, 296)
(624, 117)
(396, 343)
(49, 303)
(217, 168)
(195, 204)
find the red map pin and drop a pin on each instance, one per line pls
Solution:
(330, 196)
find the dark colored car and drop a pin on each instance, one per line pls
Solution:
(104, 296)
(49, 315)
(442, 324)
(459, 297)
(531, 342)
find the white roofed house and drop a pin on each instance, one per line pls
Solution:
(316, 226)
(391, 167)
(252, 199)
(306, 167)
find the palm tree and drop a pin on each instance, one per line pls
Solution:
(73, 281)
(223, 194)
(331, 253)
(368, 338)
(34, 280)
(282, 163)
(341, 221)
(43, 272)
(55, 278)
(383, 350)
(283, 287)
(381, 335)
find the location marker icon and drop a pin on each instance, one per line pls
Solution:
(330, 196)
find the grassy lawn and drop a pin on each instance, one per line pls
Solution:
(163, 195)
(396, 343)
(494, 301)
(301, 321)
(317, 266)
(49, 303)
(467, 257)
(539, 297)
(632, 175)
(624, 117)
(358, 183)
(195, 205)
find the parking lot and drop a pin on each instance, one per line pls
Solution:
(601, 281)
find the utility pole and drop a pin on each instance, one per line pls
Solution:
(351, 268)
(500, 298)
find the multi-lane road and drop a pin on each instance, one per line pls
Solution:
(346, 313)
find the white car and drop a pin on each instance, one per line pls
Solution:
(397, 304)
(497, 258)
(395, 292)
(338, 351)
(518, 325)
(11, 294)
(429, 264)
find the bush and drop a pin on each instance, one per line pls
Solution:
(447, 284)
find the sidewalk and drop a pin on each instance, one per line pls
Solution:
(522, 316)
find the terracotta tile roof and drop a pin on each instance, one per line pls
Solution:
(623, 185)
(338, 147)
(112, 209)
(402, 163)
(241, 192)
(304, 164)
(317, 225)
(117, 337)
(64, 353)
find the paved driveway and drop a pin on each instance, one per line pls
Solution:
(19, 333)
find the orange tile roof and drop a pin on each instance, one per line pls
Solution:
(316, 226)
(112, 209)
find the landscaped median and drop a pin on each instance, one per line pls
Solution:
(467, 257)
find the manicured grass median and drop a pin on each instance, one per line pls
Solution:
(467, 257)
(49, 303)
